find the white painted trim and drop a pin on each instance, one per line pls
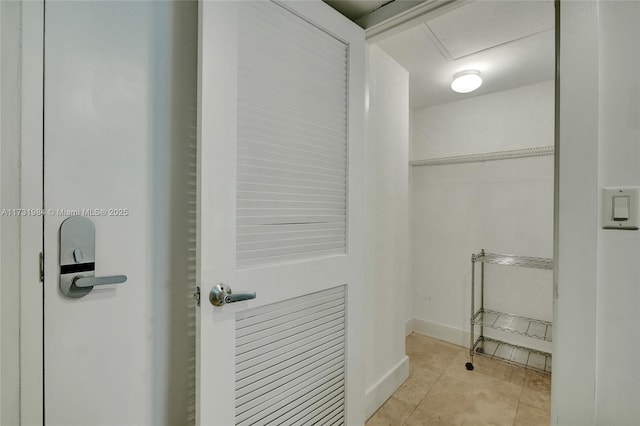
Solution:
(442, 332)
(2, 398)
(382, 390)
(10, 224)
(575, 344)
(1, 258)
(31, 331)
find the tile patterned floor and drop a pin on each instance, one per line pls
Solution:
(440, 391)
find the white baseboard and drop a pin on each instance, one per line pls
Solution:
(440, 331)
(408, 327)
(377, 394)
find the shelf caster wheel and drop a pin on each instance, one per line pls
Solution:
(469, 366)
(480, 350)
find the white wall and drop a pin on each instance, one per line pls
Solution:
(501, 206)
(596, 368)
(386, 227)
(10, 16)
(618, 296)
(512, 119)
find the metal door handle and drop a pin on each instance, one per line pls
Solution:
(80, 281)
(78, 258)
(221, 294)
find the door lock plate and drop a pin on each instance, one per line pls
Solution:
(77, 258)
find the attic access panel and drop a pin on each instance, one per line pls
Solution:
(483, 25)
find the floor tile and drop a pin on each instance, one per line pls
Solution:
(502, 379)
(393, 412)
(538, 381)
(421, 418)
(531, 416)
(441, 391)
(415, 388)
(487, 368)
(417, 341)
(537, 390)
(461, 402)
(430, 354)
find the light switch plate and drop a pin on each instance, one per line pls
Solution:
(608, 195)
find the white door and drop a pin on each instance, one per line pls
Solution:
(115, 77)
(281, 109)
(95, 355)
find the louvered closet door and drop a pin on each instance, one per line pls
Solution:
(281, 104)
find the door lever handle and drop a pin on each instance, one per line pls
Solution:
(78, 258)
(221, 294)
(80, 281)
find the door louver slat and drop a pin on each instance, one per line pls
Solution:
(292, 139)
(261, 314)
(281, 363)
(290, 361)
(270, 149)
(323, 338)
(280, 331)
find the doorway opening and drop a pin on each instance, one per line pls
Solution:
(482, 190)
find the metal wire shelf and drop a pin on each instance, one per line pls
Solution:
(514, 354)
(508, 259)
(511, 323)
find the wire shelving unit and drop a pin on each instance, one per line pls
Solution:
(507, 322)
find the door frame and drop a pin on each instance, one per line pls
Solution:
(30, 191)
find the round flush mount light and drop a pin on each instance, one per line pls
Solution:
(466, 81)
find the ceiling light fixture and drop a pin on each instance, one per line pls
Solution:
(466, 81)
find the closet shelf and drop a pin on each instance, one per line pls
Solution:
(511, 323)
(511, 260)
(520, 355)
(486, 156)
